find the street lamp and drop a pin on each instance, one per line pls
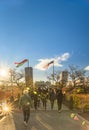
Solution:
(11, 79)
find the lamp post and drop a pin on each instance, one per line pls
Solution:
(11, 79)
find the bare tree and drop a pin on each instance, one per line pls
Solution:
(76, 74)
(54, 77)
(16, 77)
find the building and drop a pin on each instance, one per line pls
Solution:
(29, 76)
(40, 84)
(64, 77)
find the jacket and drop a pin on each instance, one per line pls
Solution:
(25, 100)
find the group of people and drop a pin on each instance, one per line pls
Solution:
(58, 95)
(28, 101)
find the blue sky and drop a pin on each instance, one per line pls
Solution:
(44, 30)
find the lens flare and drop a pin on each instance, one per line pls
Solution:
(72, 115)
(83, 123)
(7, 108)
(76, 118)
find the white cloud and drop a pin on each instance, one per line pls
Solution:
(87, 68)
(57, 61)
(63, 57)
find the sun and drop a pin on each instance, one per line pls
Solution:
(3, 73)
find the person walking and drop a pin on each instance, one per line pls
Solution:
(52, 97)
(59, 97)
(25, 103)
(44, 98)
(35, 100)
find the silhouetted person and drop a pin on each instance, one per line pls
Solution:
(59, 97)
(35, 99)
(52, 97)
(25, 102)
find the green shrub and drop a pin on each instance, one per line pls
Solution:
(86, 108)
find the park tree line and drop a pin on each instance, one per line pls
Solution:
(75, 74)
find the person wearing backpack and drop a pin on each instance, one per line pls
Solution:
(25, 102)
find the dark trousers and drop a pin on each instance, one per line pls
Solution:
(35, 105)
(44, 103)
(59, 104)
(52, 104)
(26, 113)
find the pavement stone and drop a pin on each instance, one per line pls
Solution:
(7, 123)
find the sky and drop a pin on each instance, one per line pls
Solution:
(43, 31)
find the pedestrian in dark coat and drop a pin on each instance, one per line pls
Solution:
(25, 103)
(35, 99)
(52, 97)
(59, 97)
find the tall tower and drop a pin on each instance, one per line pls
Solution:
(29, 76)
(64, 77)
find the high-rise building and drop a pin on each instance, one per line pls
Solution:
(64, 77)
(29, 76)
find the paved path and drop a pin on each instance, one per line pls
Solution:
(52, 120)
(45, 120)
(7, 123)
